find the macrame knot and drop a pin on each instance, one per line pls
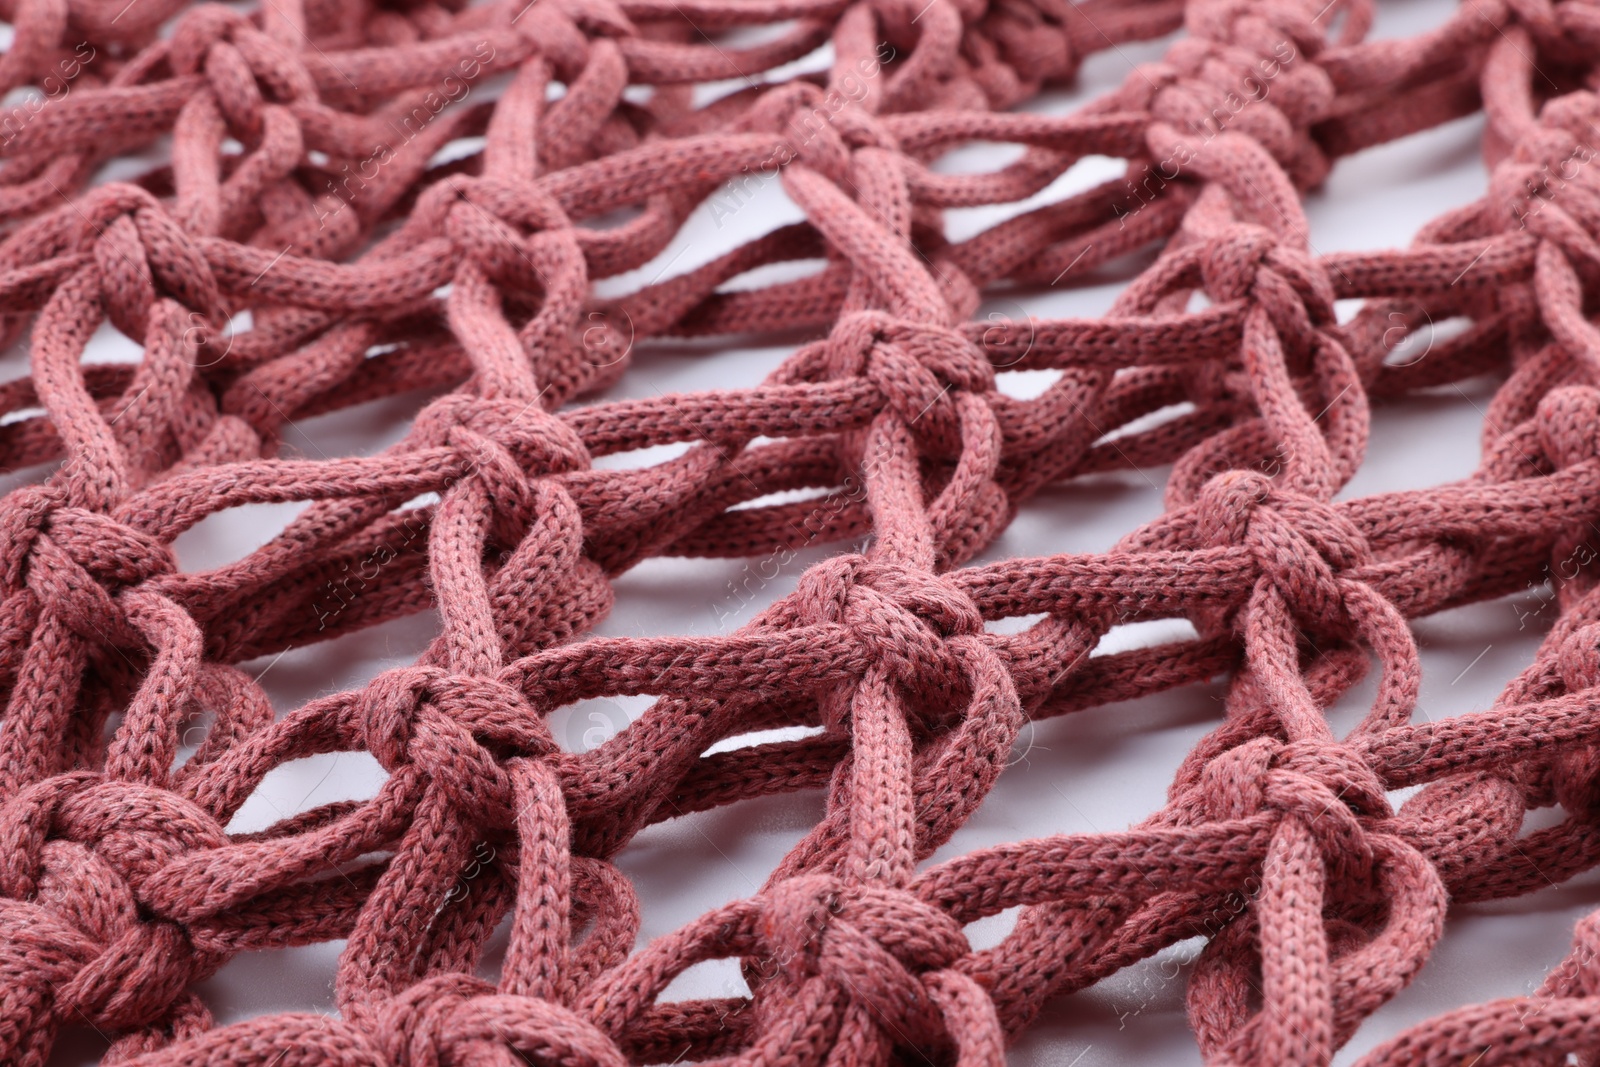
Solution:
(1327, 935)
(1334, 769)
(1250, 263)
(1300, 544)
(1536, 185)
(507, 445)
(1033, 39)
(1291, 776)
(143, 254)
(1555, 32)
(412, 1028)
(1242, 71)
(1578, 658)
(918, 624)
(1575, 772)
(816, 127)
(246, 69)
(873, 942)
(459, 1020)
(562, 30)
(1575, 780)
(83, 908)
(917, 368)
(539, 443)
(22, 516)
(139, 829)
(515, 232)
(1231, 784)
(1254, 27)
(1568, 420)
(1322, 783)
(1578, 31)
(457, 728)
(822, 129)
(1230, 263)
(1190, 86)
(76, 561)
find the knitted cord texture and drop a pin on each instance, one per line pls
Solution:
(288, 239)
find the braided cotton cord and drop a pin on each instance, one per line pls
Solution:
(302, 183)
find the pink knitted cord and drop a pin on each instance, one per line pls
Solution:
(299, 182)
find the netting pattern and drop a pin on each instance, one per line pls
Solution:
(286, 163)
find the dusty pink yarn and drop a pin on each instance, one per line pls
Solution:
(301, 183)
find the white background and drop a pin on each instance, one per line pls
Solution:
(1098, 770)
